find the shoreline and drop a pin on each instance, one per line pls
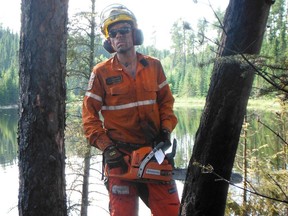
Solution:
(8, 107)
(267, 104)
(200, 103)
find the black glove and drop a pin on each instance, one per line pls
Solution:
(165, 137)
(114, 158)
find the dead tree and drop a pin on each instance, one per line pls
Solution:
(220, 125)
(42, 108)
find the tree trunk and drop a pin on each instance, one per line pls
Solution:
(87, 158)
(85, 185)
(220, 126)
(42, 108)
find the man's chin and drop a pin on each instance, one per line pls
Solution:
(122, 50)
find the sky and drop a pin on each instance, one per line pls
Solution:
(155, 17)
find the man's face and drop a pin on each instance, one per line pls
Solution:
(120, 36)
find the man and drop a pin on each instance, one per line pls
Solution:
(132, 94)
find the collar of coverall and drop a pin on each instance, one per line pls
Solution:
(117, 65)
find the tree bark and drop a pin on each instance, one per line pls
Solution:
(220, 126)
(42, 108)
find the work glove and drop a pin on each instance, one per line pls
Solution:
(114, 158)
(165, 137)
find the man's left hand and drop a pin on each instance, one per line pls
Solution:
(165, 137)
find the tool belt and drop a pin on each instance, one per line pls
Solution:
(130, 147)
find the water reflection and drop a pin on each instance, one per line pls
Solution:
(8, 136)
(188, 121)
(258, 136)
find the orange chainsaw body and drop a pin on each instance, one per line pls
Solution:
(153, 171)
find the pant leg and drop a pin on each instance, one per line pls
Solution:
(123, 196)
(163, 199)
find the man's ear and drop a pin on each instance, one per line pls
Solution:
(107, 46)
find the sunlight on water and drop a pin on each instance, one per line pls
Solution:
(9, 190)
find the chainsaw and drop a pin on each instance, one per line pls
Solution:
(143, 164)
(144, 167)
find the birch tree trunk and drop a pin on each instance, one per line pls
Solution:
(220, 126)
(42, 108)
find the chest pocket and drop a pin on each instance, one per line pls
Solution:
(150, 82)
(118, 90)
(117, 95)
(150, 90)
(151, 87)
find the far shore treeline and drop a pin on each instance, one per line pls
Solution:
(188, 63)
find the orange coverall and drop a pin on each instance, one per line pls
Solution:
(134, 111)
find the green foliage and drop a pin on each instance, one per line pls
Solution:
(275, 39)
(189, 66)
(188, 63)
(9, 43)
(84, 51)
(274, 63)
(262, 158)
(192, 57)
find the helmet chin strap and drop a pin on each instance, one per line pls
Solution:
(138, 40)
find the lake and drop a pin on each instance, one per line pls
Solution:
(263, 149)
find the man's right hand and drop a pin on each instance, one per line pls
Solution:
(114, 158)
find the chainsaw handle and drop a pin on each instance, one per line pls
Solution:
(158, 146)
(173, 152)
(162, 145)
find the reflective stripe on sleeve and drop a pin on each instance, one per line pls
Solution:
(163, 84)
(94, 96)
(129, 105)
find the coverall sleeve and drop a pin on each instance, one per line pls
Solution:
(165, 101)
(92, 124)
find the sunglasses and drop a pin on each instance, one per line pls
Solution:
(124, 30)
